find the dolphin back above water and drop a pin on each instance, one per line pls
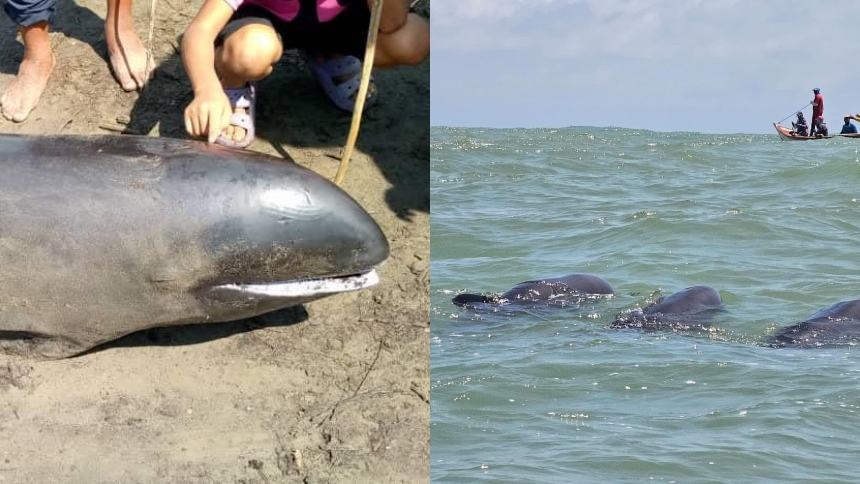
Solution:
(680, 310)
(690, 308)
(543, 290)
(102, 236)
(837, 325)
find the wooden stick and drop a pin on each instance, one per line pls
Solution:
(149, 53)
(370, 51)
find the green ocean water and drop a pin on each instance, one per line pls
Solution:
(550, 394)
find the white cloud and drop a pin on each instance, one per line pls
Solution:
(712, 54)
(626, 28)
(449, 12)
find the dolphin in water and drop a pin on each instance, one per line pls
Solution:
(837, 325)
(542, 290)
(690, 308)
(101, 236)
(684, 309)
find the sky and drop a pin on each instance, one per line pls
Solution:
(719, 66)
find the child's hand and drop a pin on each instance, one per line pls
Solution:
(208, 114)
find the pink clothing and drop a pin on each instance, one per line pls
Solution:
(287, 10)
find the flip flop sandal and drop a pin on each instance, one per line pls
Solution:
(327, 70)
(244, 98)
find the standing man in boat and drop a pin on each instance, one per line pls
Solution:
(817, 112)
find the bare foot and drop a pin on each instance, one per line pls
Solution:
(127, 55)
(233, 132)
(22, 96)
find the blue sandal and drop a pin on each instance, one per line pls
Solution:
(327, 70)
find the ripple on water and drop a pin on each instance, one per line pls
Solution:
(549, 394)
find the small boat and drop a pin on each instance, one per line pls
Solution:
(790, 135)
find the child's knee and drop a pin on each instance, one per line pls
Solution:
(410, 44)
(420, 41)
(252, 50)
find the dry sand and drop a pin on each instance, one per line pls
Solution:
(334, 391)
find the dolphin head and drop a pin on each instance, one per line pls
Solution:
(101, 236)
(274, 234)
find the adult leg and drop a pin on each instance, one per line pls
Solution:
(22, 95)
(126, 53)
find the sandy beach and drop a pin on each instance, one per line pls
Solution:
(336, 390)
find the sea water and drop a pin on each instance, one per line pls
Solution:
(548, 393)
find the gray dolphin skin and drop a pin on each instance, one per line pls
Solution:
(688, 309)
(684, 309)
(542, 290)
(837, 325)
(101, 236)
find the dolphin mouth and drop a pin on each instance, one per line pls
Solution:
(315, 287)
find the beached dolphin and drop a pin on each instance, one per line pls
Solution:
(837, 325)
(102, 236)
(680, 310)
(543, 290)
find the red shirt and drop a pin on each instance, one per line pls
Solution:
(818, 111)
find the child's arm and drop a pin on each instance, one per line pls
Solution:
(210, 110)
(404, 37)
(394, 13)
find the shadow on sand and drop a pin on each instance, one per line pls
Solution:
(191, 334)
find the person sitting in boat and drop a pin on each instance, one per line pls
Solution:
(800, 127)
(848, 127)
(820, 128)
